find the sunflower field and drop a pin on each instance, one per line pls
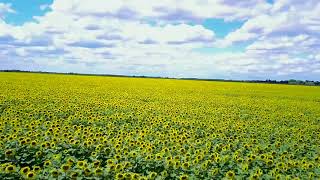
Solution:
(92, 127)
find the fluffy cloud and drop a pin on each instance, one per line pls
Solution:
(160, 37)
(166, 10)
(286, 36)
(302, 43)
(285, 18)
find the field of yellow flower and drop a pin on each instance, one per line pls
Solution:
(89, 127)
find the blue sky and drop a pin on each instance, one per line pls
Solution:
(25, 10)
(253, 39)
(220, 27)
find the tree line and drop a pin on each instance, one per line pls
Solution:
(268, 81)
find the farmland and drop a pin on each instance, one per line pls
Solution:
(71, 126)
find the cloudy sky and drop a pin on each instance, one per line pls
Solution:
(231, 39)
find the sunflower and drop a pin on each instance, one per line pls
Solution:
(158, 157)
(254, 177)
(118, 167)
(87, 172)
(23, 142)
(74, 175)
(25, 170)
(110, 162)
(278, 177)
(65, 167)
(117, 157)
(81, 164)
(184, 177)
(9, 153)
(10, 168)
(269, 162)
(128, 176)
(204, 165)
(33, 143)
(52, 145)
(47, 163)
(111, 167)
(43, 145)
(230, 174)
(152, 175)
(94, 154)
(31, 175)
(176, 164)
(70, 161)
(213, 171)
(54, 173)
(119, 176)
(96, 163)
(36, 168)
(164, 174)
(127, 164)
(148, 157)
(38, 153)
(185, 165)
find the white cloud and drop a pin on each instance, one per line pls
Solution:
(284, 44)
(167, 10)
(286, 17)
(157, 38)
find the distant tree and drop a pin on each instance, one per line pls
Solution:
(309, 83)
(292, 81)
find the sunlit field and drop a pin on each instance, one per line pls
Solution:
(69, 126)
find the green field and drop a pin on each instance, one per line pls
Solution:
(86, 127)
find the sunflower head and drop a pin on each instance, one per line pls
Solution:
(164, 174)
(184, 177)
(128, 176)
(74, 175)
(70, 161)
(158, 157)
(117, 157)
(81, 164)
(98, 171)
(10, 168)
(87, 172)
(110, 162)
(31, 175)
(47, 163)
(214, 171)
(94, 154)
(65, 167)
(185, 165)
(96, 163)
(119, 176)
(152, 175)
(9, 153)
(118, 167)
(25, 170)
(230, 174)
(38, 153)
(254, 177)
(23, 142)
(36, 168)
(55, 173)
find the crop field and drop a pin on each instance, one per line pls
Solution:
(91, 127)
